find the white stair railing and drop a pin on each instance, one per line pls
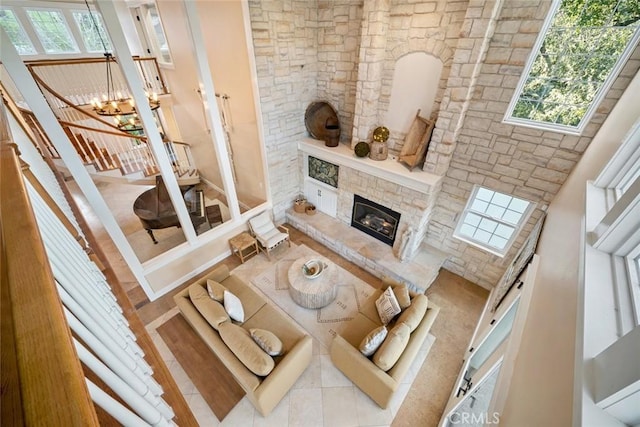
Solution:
(93, 313)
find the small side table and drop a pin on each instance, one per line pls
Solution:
(243, 245)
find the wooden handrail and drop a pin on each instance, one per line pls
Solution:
(48, 387)
(48, 88)
(106, 132)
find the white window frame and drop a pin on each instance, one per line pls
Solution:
(517, 227)
(98, 16)
(66, 23)
(617, 231)
(142, 15)
(601, 93)
(22, 27)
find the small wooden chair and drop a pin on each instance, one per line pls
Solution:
(417, 141)
(267, 234)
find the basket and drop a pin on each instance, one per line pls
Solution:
(300, 206)
(310, 210)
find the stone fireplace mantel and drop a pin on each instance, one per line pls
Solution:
(389, 169)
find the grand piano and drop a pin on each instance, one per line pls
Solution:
(155, 210)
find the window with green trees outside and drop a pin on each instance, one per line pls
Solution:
(582, 47)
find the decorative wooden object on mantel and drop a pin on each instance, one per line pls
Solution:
(417, 141)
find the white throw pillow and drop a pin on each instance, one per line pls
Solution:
(373, 340)
(387, 305)
(233, 306)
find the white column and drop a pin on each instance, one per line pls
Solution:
(32, 95)
(130, 72)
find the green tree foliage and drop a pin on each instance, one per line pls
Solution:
(581, 47)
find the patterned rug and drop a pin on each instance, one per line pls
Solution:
(322, 323)
(322, 396)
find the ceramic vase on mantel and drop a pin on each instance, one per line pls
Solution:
(379, 150)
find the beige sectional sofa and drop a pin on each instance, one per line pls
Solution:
(263, 391)
(375, 382)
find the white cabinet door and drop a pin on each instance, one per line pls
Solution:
(325, 200)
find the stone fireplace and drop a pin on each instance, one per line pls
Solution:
(374, 219)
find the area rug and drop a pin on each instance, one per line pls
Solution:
(322, 396)
(324, 323)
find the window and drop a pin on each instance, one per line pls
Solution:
(16, 33)
(581, 49)
(162, 47)
(491, 220)
(52, 31)
(87, 24)
(617, 230)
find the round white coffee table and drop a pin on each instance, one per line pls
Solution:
(313, 293)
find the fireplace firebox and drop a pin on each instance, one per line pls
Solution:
(376, 220)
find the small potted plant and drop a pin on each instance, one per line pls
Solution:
(300, 204)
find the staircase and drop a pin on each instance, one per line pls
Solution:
(107, 152)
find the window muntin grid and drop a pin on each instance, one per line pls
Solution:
(91, 39)
(584, 46)
(491, 219)
(52, 30)
(16, 33)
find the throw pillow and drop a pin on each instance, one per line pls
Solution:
(267, 341)
(387, 306)
(215, 290)
(372, 341)
(246, 350)
(212, 311)
(402, 295)
(413, 315)
(233, 306)
(392, 347)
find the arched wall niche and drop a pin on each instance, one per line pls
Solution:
(438, 50)
(414, 87)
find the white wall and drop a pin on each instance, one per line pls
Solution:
(415, 83)
(223, 29)
(542, 387)
(184, 83)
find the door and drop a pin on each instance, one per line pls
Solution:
(325, 199)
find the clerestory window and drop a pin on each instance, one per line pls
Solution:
(52, 30)
(491, 220)
(87, 24)
(583, 46)
(16, 33)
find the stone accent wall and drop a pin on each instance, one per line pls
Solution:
(415, 207)
(432, 27)
(525, 162)
(286, 54)
(339, 23)
(375, 23)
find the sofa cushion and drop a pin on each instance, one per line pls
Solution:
(373, 340)
(392, 347)
(233, 306)
(287, 331)
(246, 350)
(400, 290)
(267, 341)
(215, 290)
(413, 315)
(252, 301)
(211, 310)
(387, 306)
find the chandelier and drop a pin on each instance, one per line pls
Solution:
(113, 103)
